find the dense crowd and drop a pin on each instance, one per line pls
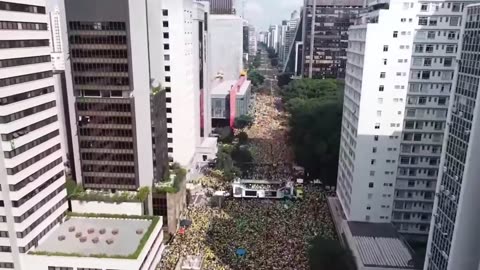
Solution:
(268, 134)
(275, 172)
(275, 234)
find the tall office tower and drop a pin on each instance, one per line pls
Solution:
(282, 39)
(33, 196)
(433, 64)
(452, 241)
(252, 41)
(400, 142)
(274, 36)
(290, 36)
(135, 82)
(325, 53)
(116, 107)
(246, 34)
(221, 6)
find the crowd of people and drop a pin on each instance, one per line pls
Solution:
(268, 134)
(280, 172)
(273, 233)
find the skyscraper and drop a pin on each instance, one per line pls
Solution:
(290, 33)
(452, 242)
(221, 6)
(398, 129)
(31, 167)
(324, 51)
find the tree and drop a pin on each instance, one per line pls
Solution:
(274, 62)
(243, 121)
(327, 254)
(256, 78)
(315, 108)
(242, 137)
(284, 79)
(242, 155)
(225, 134)
(271, 53)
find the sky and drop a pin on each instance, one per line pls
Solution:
(263, 13)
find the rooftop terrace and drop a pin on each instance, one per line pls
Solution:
(100, 236)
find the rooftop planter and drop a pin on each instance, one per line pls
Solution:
(76, 192)
(173, 180)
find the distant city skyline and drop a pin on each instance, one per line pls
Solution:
(263, 13)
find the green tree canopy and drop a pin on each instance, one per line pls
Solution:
(274, 62)
(256, 78)
(327, 254)
(315, 108)
(243, 121)
(284, 79)
(242, 137)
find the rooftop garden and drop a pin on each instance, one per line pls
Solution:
(132, 256)
(173, 180)
(76, 192)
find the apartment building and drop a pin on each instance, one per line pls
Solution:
(452, 241)
(273, 37)
(436, 40)
(402, 170)
(378, 61)
(252, 41)
(33, 196)
(325, 36)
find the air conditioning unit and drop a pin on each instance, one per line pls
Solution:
(447, 192)
(445, 168)
(442, 187)
(456, 177)
(444, 254)
(438, 225)
(453, 197)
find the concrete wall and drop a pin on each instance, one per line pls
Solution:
(124, 208)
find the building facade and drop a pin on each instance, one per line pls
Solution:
(273, 37)
(325, 36)
(252, 41)
(221, 6)
(413, 123)
(373, 111)
(452, 241)
(289, 36)
(56, 40)
(437, 35)
(33, 196)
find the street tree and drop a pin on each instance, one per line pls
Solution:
(255, 77)
(243, 121)
(315, 108)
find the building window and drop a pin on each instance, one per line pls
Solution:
(382, 75)
(375, 138)
(167, 68)
(167, 79)
(370, 185)
(166, 46)
(385, 48)
(165, 12)
(374, 149)
(165, 23)
(395, 34)
(166, 35)
(385, 61)
(369, 207)
(166, 57)
(170, 150)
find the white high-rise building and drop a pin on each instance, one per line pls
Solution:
(453, 243)
(56, 40)
(33, 196)
(252, 41)
(392, 137)
(274, 36)
(283, 28)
